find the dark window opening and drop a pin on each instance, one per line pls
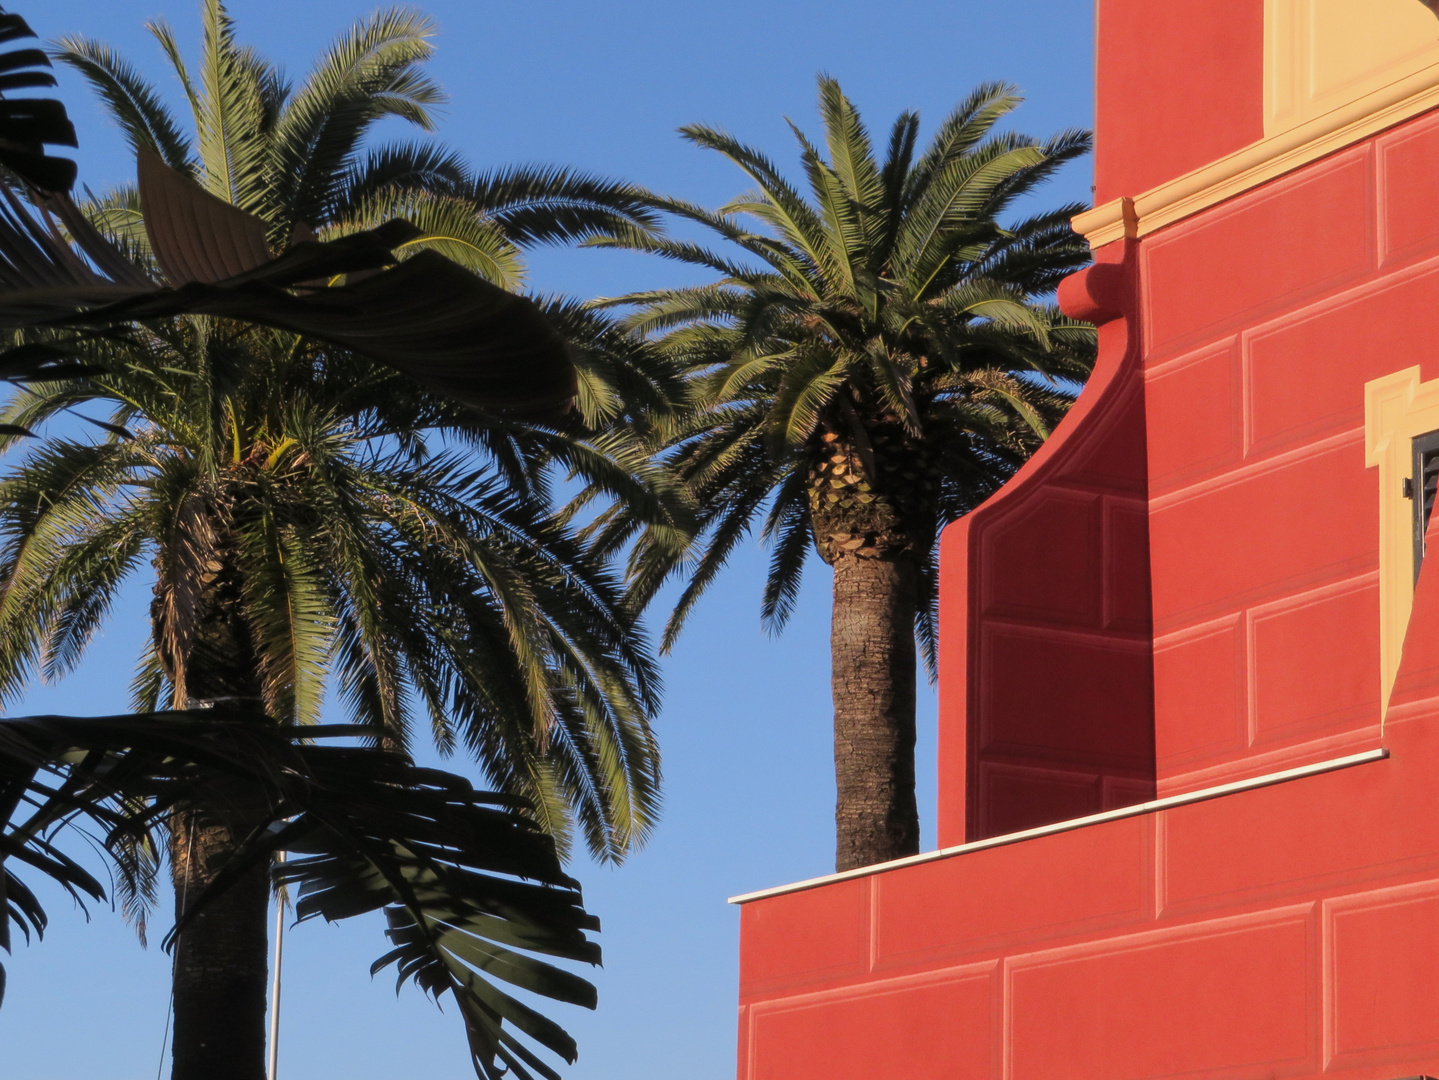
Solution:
(1423, 489)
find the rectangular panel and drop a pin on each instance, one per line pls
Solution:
(1199, 694)
(1340, 828)
(1305, 375)
(1015, 797)
(1113, 457)
(1093, 704)
(1233, 998)
(1194, 416)
(811, 937)
(1043, 560)
(983, 901)
(1316, 662)
(1323, 54)
(1383, 959)
(1263, 249)
(1408, 158)
(933, 1029)
(1305, 522)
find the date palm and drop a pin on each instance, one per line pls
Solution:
(302, 530)
(871, 363)
(310, 515)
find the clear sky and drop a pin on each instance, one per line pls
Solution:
(745, 729)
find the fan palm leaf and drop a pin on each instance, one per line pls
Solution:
(473, 893)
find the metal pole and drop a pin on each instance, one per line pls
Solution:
(273, 1071)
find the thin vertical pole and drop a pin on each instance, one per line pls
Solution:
(273, 1071)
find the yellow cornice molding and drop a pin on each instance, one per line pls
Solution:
(1263, 161)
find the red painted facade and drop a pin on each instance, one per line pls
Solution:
(1180, 591)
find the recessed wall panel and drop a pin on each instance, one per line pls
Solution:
(933, 1029)
(1236, 998)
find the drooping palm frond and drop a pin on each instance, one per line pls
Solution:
(133, 101)
(427, 316)
(472, 891)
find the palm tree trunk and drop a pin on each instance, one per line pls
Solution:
(872, 677)
(222, 956)
(221, 959)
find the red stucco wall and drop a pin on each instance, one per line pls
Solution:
(1180, 83)
(1046, 688)
(1181, 591)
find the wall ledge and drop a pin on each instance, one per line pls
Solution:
(1262, 161)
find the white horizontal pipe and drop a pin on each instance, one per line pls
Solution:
(1075, 823)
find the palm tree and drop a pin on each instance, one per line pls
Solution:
(311, 515)
(870, 365)
(305, 520)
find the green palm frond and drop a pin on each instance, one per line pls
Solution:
(447, 225)
(780, 205)
(548, 205)
(161, 32)
(133, 103)
(370, 73)
(405, 166)
(230, 116)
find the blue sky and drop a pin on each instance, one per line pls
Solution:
(745, 729)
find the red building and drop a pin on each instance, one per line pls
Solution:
(1189, 745)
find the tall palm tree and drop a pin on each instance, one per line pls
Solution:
(303, 526)
(871, 363)
(311, 515)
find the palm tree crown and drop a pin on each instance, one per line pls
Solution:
(873, 361)
(297, 156)
(286, 481)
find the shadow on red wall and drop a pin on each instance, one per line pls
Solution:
(1047, 705)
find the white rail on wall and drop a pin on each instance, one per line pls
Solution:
(1202, 795)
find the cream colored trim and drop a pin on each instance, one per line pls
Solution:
(1105, 224)
(1077, 823)
(1265, 160)
(1396, 408)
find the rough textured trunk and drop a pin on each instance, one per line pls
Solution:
(872, 676)
(222, 957)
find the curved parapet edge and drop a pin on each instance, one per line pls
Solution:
(1010, 644)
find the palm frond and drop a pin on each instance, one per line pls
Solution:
(370, 73)
(230, 116)
(473, 892)
(133, 103)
